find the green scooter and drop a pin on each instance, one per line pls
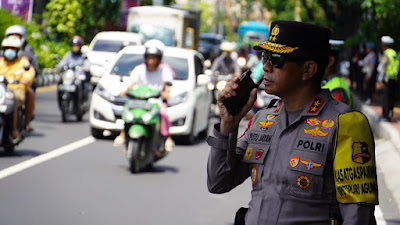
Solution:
(142, 120)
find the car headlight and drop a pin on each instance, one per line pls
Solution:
(102, 92)
(97, 70)
(178, 99)
(221, 85)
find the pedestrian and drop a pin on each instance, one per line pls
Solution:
(332, 79)
(310, 158)
(369, 66)
(388, 69)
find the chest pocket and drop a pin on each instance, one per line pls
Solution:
(305, 174)
(255, 157)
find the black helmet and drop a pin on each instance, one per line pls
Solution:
(76, 40)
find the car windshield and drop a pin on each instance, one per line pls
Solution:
(155, 32)
(110, 46)
(127, 62)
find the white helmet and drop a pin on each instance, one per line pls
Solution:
(387, 40)
(154, 47)
(11, 41)
(227, 46)
(16, 29)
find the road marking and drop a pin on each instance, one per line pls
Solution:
(45, 157)
(380, 220)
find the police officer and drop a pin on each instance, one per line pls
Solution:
(333, 80)
(310, 159)
(388, 70)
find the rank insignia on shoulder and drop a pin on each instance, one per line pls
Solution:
(315, 105)
(303, 182)
(315, 132)
(259, 153)
(360, 153)
(310, 164)
(271, 116)
(265, 124)
(248, 154)
(253, 174)
(313, 122)
(278, 105)
(247, 127)
(294, 161)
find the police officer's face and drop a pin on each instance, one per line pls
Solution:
(282, 81)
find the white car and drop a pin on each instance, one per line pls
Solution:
(189, 105)
(104, 46)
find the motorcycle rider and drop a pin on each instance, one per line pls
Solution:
(76, 57)
(159, 77)
(17, 68)
(224, 63)
(26, 50)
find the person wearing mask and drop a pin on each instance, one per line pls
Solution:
(26, 50)
(75, 58)
(388, 69)
(225, 64)
(157, 76)
(333, 80)
(301, 152)
(20, 75)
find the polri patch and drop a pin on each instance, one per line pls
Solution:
(310, 164)
(360, 153)
(248, 154)
(259, 153)
(327, 124)
(315, 105)
(313, 122)
(315, 132)
(303, 182)
(294, 161)
(265, 124)
(253, 174)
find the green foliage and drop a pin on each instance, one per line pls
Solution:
(67, 18)
(44, 49)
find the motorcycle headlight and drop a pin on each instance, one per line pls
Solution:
(210, 86)
(221, 85)
(241, 61)
(68, 77)
(97, 70)
(178, 99)
(102, 92)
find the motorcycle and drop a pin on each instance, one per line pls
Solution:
(263, 98)
(72, 92)
(217, 84)
(142, 125)
(7, 103)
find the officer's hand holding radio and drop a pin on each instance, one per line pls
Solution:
(229, 122)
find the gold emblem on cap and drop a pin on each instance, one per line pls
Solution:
(274, 33)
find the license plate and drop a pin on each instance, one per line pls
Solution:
(139, 104)
(3, 108)
(67, 88)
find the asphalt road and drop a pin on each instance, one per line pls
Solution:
(61, 175)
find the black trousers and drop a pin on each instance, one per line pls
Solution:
(388, 98)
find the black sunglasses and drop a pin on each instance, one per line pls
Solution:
(277, 60)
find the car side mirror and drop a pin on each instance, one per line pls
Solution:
(203, 79)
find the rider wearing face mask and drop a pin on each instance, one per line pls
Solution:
(20, 75)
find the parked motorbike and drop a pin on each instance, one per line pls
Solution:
(142, 128)
(73, 93)
(7, 103)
